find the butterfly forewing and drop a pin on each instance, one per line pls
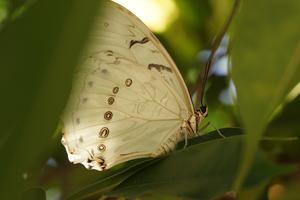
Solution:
(128, 99)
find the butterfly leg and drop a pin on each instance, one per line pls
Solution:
(209, 124)
(183, 130)
(202, 128)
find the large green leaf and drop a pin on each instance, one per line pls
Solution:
(205, 169)
(266, 64)
(38, 52)
(111, 179)
(189, 173)
(34, 194)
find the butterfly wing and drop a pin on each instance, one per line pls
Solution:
(128, 98)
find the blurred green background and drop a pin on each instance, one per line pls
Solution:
(254, 84)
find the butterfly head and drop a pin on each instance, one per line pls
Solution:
(199, 116)
(195, 120)
(203, 111)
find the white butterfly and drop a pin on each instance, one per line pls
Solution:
(128, 99)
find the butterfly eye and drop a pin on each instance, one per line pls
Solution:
(204, 111)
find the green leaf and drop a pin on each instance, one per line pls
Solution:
(34, 194)
(204, 170)
(263, 169)
(266, 65)
(115, 176)
(285, 123)
(111, 178)
(38, 53)
(189, 173)
(209, 160)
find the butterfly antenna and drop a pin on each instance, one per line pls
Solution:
(201, 81)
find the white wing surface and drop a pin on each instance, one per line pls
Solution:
(128, 99)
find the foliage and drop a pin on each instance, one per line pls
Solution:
(40, 43)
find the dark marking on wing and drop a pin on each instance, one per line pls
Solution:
(115, 90)
(101, 147)
(108, 115)
(164, 149)
(91, 83)
(104, 132)
(84, 100)
(101, 162)
(72, 151)
(117, 61)
(154, 51)
(143, 41)
(109, 53)
(110, 100)
(159, 67)
(103, 166)
(128, 82)
(96, 70)
(80, 139)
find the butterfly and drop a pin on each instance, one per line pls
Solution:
(128, 99)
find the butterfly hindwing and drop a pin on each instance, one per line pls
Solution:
(128, 99)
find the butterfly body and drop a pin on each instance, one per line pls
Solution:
(128, 99)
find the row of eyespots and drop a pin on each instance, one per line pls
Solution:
(104, 132)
